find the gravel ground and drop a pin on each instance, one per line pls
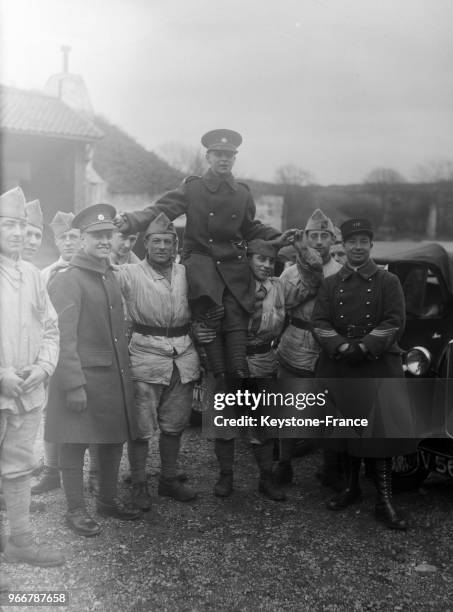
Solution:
(248, 553)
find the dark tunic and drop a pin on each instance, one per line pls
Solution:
(365, 306)
(220, 217)
(93, 354)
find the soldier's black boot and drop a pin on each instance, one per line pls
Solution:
(352, 493)
(283, 473)
(224, 450)
(267, 484)
(384, 511)
(332, 472)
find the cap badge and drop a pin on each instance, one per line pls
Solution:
(223, 139)
(101, 217)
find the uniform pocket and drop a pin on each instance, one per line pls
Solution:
(95, 358)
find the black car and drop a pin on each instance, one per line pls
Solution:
(426, 275)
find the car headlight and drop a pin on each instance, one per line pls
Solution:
(417, 361)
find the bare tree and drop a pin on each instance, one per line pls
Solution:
(381, 181)
(384, 176)
(290, 174)
(434, 171)
(189, 160)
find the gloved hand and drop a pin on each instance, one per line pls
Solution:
(202, 333)
(354, 354)
(121, 222)
(76, 399)
(287, 237)
(215, 313)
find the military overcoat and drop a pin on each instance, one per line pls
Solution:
(365, 305)
(93, 354)
(220, 215)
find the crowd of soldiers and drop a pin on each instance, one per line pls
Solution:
(108, 346)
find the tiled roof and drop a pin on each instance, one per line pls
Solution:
(32, 112)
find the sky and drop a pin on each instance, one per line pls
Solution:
(337, 87)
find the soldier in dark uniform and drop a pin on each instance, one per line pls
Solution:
(358, 319)
(220, 219)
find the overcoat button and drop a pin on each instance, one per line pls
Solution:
(341, 316)
(239, 256)
(233, 216)
(116, 339)
(218, 262)
(211, 214)
(368, 316)
(368, 290)
(210, 239)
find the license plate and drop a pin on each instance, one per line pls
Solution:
(437, 462)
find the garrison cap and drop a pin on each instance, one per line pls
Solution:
(94, 218)
(319, 222)
(161, 225)
(356, 226)
(221, 140)
(61, 223)
(12, 204)
(261, 247)
(34, 214)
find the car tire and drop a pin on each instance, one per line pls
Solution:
(407, 472)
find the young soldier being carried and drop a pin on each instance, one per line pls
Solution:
(220, 219)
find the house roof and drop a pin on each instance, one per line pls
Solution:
(32, 112)
(127, 167)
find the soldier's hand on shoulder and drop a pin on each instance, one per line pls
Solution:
(288, 237)
(76, 399)
(121, 222)
(202, 333)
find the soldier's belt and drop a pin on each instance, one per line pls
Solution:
(354, 331)
(300, 323)
(169, 332)
(259, 349)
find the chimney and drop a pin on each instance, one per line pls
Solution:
(65, 49)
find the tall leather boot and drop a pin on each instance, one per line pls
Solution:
(224, 450)
(332, 472)
(352, 493)
(284, 471)
(264, 458)
(384, 511)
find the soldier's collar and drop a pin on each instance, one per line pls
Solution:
(82, 260)
(368, 269)
(213, 181)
